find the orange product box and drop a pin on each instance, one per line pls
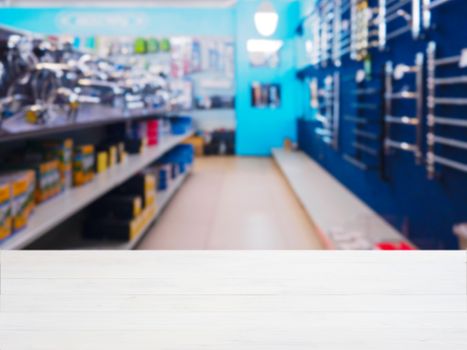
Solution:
(6, 217)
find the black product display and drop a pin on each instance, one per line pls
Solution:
(125, 207)
(110, 228)
(221, 143)
(134, 146)
(123, 213)
(140, 185)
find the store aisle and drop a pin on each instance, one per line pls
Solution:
(233, 203)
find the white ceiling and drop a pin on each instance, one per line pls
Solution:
(120, 3)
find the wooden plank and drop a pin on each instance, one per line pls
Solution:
(142, 264)
(215, 321)
(233, 300)
(282, 337)
(235, 273)
(233, 303)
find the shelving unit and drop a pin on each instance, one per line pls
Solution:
(319, 192)
(365, 121)
(50, 214)
(416, 95)
(162, 200)
(87, 123)
(326, 101)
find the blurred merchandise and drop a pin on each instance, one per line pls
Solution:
(17, 201)
(123, 214)
(265, 95)
(394, 246)
(6, 219)
(460, 231)
(63, 151)
(83, 164)
(181, 125)
(220, 142)
(49, 82)
(215, 102)
(197, 142)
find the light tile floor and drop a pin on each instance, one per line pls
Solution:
(233, 203)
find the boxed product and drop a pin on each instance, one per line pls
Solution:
(181, 125)
(61, 150)
(23, 185)
(6, 216)
(134, 146)
(143, 185)
(83, 165)
(114, 228)
(64, 151)
(46, 172)
(118, 206)
(198, 145)
(118, 228)
(164, 177)
(111, 150)
(151, 195)
(113, 159)
(48, 180)
(130, 138)
(152, 132)
(121, 153)
(102, 162)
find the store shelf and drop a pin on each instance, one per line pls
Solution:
(330, 205)
(48, 215)
(85, 121)
(163, 199)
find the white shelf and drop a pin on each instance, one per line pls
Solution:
(48, 215)
(330, 205)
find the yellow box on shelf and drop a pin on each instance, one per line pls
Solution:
(63, 151)
(23, 185)
(142, 221)
(48, 181)
(83, 165)
(17, 191)
(102, 162)
(113, 159)
(6, 217)
(198, 144)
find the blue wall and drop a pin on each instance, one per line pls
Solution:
(121, 21)
(400, 191)
(259, 130)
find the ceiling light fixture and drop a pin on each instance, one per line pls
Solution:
(266, 19)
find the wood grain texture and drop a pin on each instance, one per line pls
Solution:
(233, 300)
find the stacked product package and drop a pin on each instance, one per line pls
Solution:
(173, 164)
(16, 201)
(125, 212)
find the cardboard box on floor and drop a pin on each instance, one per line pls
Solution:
(198, 144)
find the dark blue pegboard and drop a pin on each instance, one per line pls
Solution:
(400, 191)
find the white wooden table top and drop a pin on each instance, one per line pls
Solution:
(233, 300)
